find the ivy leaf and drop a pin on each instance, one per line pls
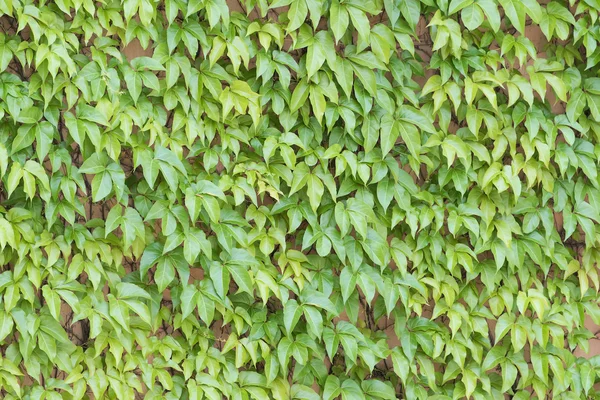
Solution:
(472, 16)
(315, 191)
(188, 300)
(515, 11)
(411, 11)
(241, 277)
(378, 389)
(47, 344)
(411, 138)
(457, 5)
(351, 390)
(291, 315)
(297, 14)
(165, 273)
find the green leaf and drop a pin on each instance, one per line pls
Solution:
(339, 19)
(299, 96)
(127, 290)
(7, 234)
(472, 17)
(457, 5)
(411, 138)
(315, 57)
(493, 358)
(411, 11)
(102, 186)
(47, 344)
(241, 277)
(515, 11)
(165, 273)
(297, 14)
(291, 315)
(351, 391)
(378, 389)
(314, 319)
(188, 300)
(315, 191)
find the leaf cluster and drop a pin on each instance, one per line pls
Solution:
(299, 199)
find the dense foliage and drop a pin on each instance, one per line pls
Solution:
(355, 199)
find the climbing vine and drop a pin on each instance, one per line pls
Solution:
(299, 199)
